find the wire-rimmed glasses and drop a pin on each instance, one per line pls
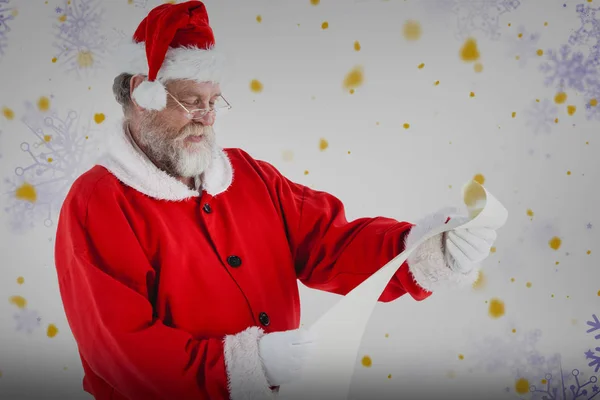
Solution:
(199, 113)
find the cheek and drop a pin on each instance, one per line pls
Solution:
(174, 120)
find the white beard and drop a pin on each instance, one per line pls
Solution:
(175, 156)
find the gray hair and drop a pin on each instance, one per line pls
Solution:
(121, 90)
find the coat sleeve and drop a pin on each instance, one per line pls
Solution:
(107, 286)
(335, 255)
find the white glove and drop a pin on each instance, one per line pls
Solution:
(465, 248)
(284, 354)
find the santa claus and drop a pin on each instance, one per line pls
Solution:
(178, 260)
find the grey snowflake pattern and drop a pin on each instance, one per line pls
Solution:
(541, 116)
(6, 15)
(82, 47)
(474, 17)
(59, 153)
(523, 46)
(568, 69)
(27, 320)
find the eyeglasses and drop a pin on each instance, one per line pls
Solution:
(199, 113)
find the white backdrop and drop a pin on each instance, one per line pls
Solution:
(498, 119)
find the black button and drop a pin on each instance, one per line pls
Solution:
(234, 261)
(207, 209)
(264, 319)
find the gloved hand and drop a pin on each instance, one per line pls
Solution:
(465, 248)
(284, 353)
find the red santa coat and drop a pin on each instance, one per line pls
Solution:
(167, 290)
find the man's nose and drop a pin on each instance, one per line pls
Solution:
(208, 119)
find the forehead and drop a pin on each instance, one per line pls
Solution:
(193, 88)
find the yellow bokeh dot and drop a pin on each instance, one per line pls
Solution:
(555, 243)
(545, 23)
(514, 331)
(530, 213)
(520, 35)
(478, 67)
(323, 144)
(493, 249)
(522, 386)
(54, 59)
(390, 376)
(556, 120)
(50, 159)
(421, 66)
(568, 172)
(325, 25)
(588, 252)
(43, 103)
(479, 178)
(560, 97)
(52, 331)
(571, 109)
(496, 308)
(539, 52)
(512, 279)
(557, 263)
(259, 19)
(85, 59)
(288, 155)
(472, 94)
(47, 138)
(354, 78)
(26, 192)
(99, 118)
(469, 51)
(305, 172)
(593, 102)
(412, 30)
(528, 284)
(461, 357)
(18, 301)
(436, 83)
(387, 335)
(366, 361)
(315, 2)
(598, 293)
(351, 91)
(256, 86)
(480, 282)
(517, 58)
(357, 45)
(20, 280)
(406, 126)
(514, 114)
(62, 18)
(8, 113)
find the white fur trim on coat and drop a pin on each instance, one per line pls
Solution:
(130, 165)
(429, 264)
(245, 373)
(180, 63)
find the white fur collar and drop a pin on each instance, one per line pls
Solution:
(130, 165)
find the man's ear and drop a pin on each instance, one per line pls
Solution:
(135, 81)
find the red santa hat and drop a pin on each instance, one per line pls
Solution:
(174, 41)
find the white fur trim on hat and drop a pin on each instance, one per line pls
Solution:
(150, 95)
(245, 373)
(191, 63)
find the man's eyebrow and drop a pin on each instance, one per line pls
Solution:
(196, 95)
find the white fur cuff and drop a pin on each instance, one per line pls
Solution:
(428, 263)
(245, 373)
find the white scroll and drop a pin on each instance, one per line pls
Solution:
(330, 368)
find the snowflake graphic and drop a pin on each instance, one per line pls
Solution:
(27, 320)
(581, 388)
(568, 69)
(524, 47)
(595, 327)
(480, 16)
(81, 45)
(592, 101)
(541, 116)
(6, 15)
(588, 33)
(59, 154)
